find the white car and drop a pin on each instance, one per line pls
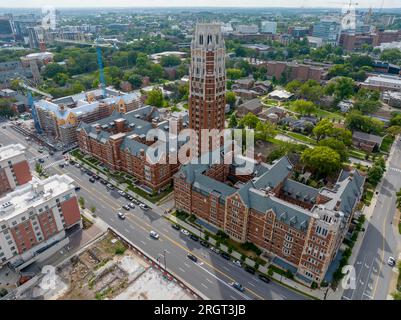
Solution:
(131, 205)
(143, 206)
(237, 263)
(391, 261)
(121, 215)
(154, 234)
(121, 193)
(185, 232)
(215, 250)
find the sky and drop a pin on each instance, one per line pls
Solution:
(197, 3)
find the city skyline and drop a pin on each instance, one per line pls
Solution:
(197, 3)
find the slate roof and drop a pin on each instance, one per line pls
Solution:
(367, 137)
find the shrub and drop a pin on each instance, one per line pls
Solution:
(119, 249)
(206, 237)
(289, 274)
(270, 272)
(313, 285)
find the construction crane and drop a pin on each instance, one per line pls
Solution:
(100, 63)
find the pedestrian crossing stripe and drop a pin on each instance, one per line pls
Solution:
(396, 169)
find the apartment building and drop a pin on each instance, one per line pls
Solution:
(119, 142)
(60, 117)
(36, 216)
(383, 83)
(14, 167)
(328, 30)
(298, 226)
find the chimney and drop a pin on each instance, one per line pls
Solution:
(337, 207)
(142, 153)
(98, 128)
(259, 158)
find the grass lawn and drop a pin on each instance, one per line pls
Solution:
(387, 143)
(319, 113)
(367, 198)
(299, 136)
(270, 102)
(357, 154)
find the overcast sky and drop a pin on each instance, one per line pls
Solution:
(203, 3)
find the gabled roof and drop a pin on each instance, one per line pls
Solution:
(367, 137)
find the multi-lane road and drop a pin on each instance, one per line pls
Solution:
(211, 275)
(381, 238)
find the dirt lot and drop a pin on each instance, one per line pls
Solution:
(108, 270)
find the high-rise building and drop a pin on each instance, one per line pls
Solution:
(14, 168)
(207, 79)
(328, 30)
(34, 217)
(269, 27)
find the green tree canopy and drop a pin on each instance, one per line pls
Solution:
(230, 98)
(322, 160)
(337, 146)
(249, 120)
(155, 97)
(356, 121)
(170, 61)
(304, 107)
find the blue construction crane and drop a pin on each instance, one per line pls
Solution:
(34, 114)
(101, 72)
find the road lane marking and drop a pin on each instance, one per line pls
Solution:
(225, 268)
(250, 283)
(208, 280)
(203, 285)
(134, 218)
(187, 265)
(143, 242)
(181, 269)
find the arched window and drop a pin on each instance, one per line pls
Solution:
(217, 39)
(209, 38)
(201, 39)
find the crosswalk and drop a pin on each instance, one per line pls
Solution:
(395, 169)
(54, 163)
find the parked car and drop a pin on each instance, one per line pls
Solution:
(41, 160)
(72, 162)
(121, 193)
(204, 243)
(121, 215)
(126, 207)
(225, 255)
(237, 263)
(263, 278)
(391, 261)
(131, 205)
(135, 201)
(143, 206)
(154, 235)
(77, 188)
(192, 257)
(184, 232)
(102, 181)
(238, 286)
(61, 165)
(77, 165)
(249, 269)
(96, 177)
(193, 237)
(175, 226)
(215, 250)
(51, 153)
(91, 179)
(109, 186)
(89, 173)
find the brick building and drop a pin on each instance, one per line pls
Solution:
(294, 71)
(34, 217)
(299, 226)
(207, 80)
(14, 167)
(119, 141)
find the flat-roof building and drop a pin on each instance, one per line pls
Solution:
(14, 167)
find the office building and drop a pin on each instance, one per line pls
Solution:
(269, 27)
(328, 30)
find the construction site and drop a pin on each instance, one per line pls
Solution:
(109, 270)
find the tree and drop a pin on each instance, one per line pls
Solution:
(81, 202)
(375, 173)
(344, 87)
(356, 121)
(264, 130)
(366, 105)
(52, 69)
(230, 98)
(135, 80)
(39, 168)
(155, 97)
(93, 209)
(337, 146)
(324, 128)
(232, 121)
(304, 107)
(324, 161)
(293, 86)
(391, 55)
(249, 120)
(156, 72)
(170, 61)
(233, 73)
(6, 109)
(396, 119)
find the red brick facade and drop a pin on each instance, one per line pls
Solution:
(22, 172)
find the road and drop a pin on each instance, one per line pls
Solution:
(211, 275)
(380, 241)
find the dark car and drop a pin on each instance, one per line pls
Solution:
(192, 257)
(61, 165)
(193, 237)
(102, 181)
(204, 243)
(238, 286)
(92, 179)
(89, 173)
(96, 177)
(77, 188)
(249, 269)
(175, 226)
(225, 255)
(264, 278)
(51, 153)
(135, 201)
(41, 160)
(72, 162)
